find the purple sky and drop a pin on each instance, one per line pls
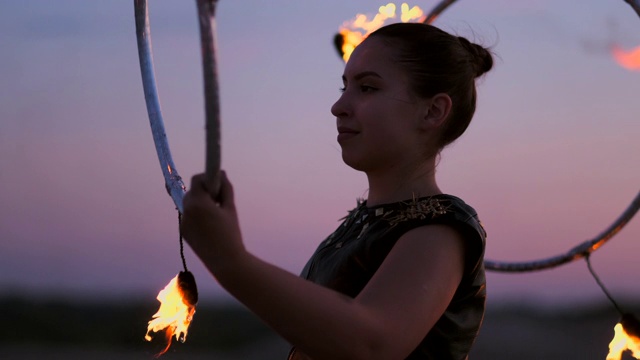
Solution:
(550, 160)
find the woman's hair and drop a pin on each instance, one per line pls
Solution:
(438, 62)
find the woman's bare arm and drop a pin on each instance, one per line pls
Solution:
(386, 320)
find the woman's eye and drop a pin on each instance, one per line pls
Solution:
(367, 88)
(363, 88)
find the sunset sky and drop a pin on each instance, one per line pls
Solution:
(550, 160)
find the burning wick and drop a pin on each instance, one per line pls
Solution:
(353, 32)
(177, 305)
(626, 338)
(627, 331)
(629, 60)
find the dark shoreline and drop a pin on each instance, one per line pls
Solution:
(62, 329)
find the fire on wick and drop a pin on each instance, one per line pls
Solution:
(355, 31)
(629, 60)
(177, 305)
(626, 338)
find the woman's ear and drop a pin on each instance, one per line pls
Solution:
(437, 111)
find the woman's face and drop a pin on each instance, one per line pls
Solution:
(378, 116)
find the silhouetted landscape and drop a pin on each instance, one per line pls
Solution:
(56, 329)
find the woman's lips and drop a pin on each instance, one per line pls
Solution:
(346, 136)
(345, 133)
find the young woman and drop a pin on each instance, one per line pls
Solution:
(402, 277)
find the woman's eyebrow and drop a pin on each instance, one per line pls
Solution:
(363, 74)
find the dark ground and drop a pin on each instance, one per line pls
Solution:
(53, 329)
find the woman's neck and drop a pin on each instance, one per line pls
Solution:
(402, 183)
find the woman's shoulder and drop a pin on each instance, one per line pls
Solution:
(435, 209)
(443, 209)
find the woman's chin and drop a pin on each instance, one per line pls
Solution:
(353, 162)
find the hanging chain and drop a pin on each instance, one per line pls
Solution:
(604, 289)
(181, 240)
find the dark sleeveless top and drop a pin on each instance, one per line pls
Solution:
(349, 257)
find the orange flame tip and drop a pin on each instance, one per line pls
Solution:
(629, 60)
(177, 306)
(353, 32)
(626, 338)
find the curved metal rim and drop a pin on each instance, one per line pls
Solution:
(173, 182)
(583, 250)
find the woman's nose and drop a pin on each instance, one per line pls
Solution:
(339, 108)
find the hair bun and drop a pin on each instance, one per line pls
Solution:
(480, 57)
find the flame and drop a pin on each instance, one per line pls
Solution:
(623, 341)
(353, 32)
(629, 60)
(177, 306)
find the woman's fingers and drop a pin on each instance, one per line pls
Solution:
(197, 184)
(226, 195)
(197, 198)
(198, 193)
(211, 226)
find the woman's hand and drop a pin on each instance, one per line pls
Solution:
(210, 223)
